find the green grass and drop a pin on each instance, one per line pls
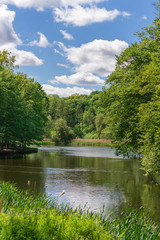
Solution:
(135, 224)
(26, 217)
(73, 144)
(93, 144)
(23, 216)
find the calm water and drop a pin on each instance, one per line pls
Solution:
(90, 175)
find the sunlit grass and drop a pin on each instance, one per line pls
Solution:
(90, 144)
(24, 216)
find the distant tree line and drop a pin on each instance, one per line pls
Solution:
(76, 117)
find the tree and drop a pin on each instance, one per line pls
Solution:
(23, 106)
(7, 60)
(89, 121)
(132, 99)
(61, 134)
(100, 124)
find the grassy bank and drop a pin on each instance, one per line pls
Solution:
(23, 216)
(92, 144)
(81, 142)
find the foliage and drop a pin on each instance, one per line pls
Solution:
(42, 220)
(79, 112)
(100, 124)
(6, 60)
(23, 216)
(61, 134)
(23, 106)
(134, 224)
(133, 97)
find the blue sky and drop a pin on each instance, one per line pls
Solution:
(69, 46)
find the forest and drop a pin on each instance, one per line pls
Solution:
(23, 106)
(127, 110)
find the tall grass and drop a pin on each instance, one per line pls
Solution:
(23, 216)
(133, 225)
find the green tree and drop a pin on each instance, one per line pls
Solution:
(89, 121)
(132, 99)
(23, 106)
(61, 133)
(100, 124)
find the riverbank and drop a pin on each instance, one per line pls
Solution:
(91, 142)
(81, 142)
(18, 150)
(23, 216)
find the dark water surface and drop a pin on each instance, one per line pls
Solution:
(90, 175)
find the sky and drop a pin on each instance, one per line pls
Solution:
(69, 46)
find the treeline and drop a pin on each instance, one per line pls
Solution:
(23, 106)
(75, 116)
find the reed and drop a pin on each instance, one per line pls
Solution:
(24, 216)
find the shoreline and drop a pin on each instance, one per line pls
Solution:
(18, 151)
(81, 142)
(74, 142)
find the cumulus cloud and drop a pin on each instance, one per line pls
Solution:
(8, 37)
(77, 12)
(66, 35)
(80, 16)
(9, 40)
(96, 57)
(43, 42)
(42, 4)
(25, 58)
(80, 78)
(65, 92)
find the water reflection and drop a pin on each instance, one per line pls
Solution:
(89, 175)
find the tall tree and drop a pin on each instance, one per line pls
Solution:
(23, 105)
(132, 100)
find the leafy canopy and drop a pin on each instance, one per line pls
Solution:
(133, 98)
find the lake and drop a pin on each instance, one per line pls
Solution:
(91, 176)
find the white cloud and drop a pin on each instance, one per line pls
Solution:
(9, 40)
(125, 14)
(58, 52)
(25, 58)
(42, 4)
(8, 37)
(63, 65)
(43, 42)
(97, 57)
(144, 18)
(66, 35)
(80, 78)
(80, 16)
(75, 12)
(65, 92)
